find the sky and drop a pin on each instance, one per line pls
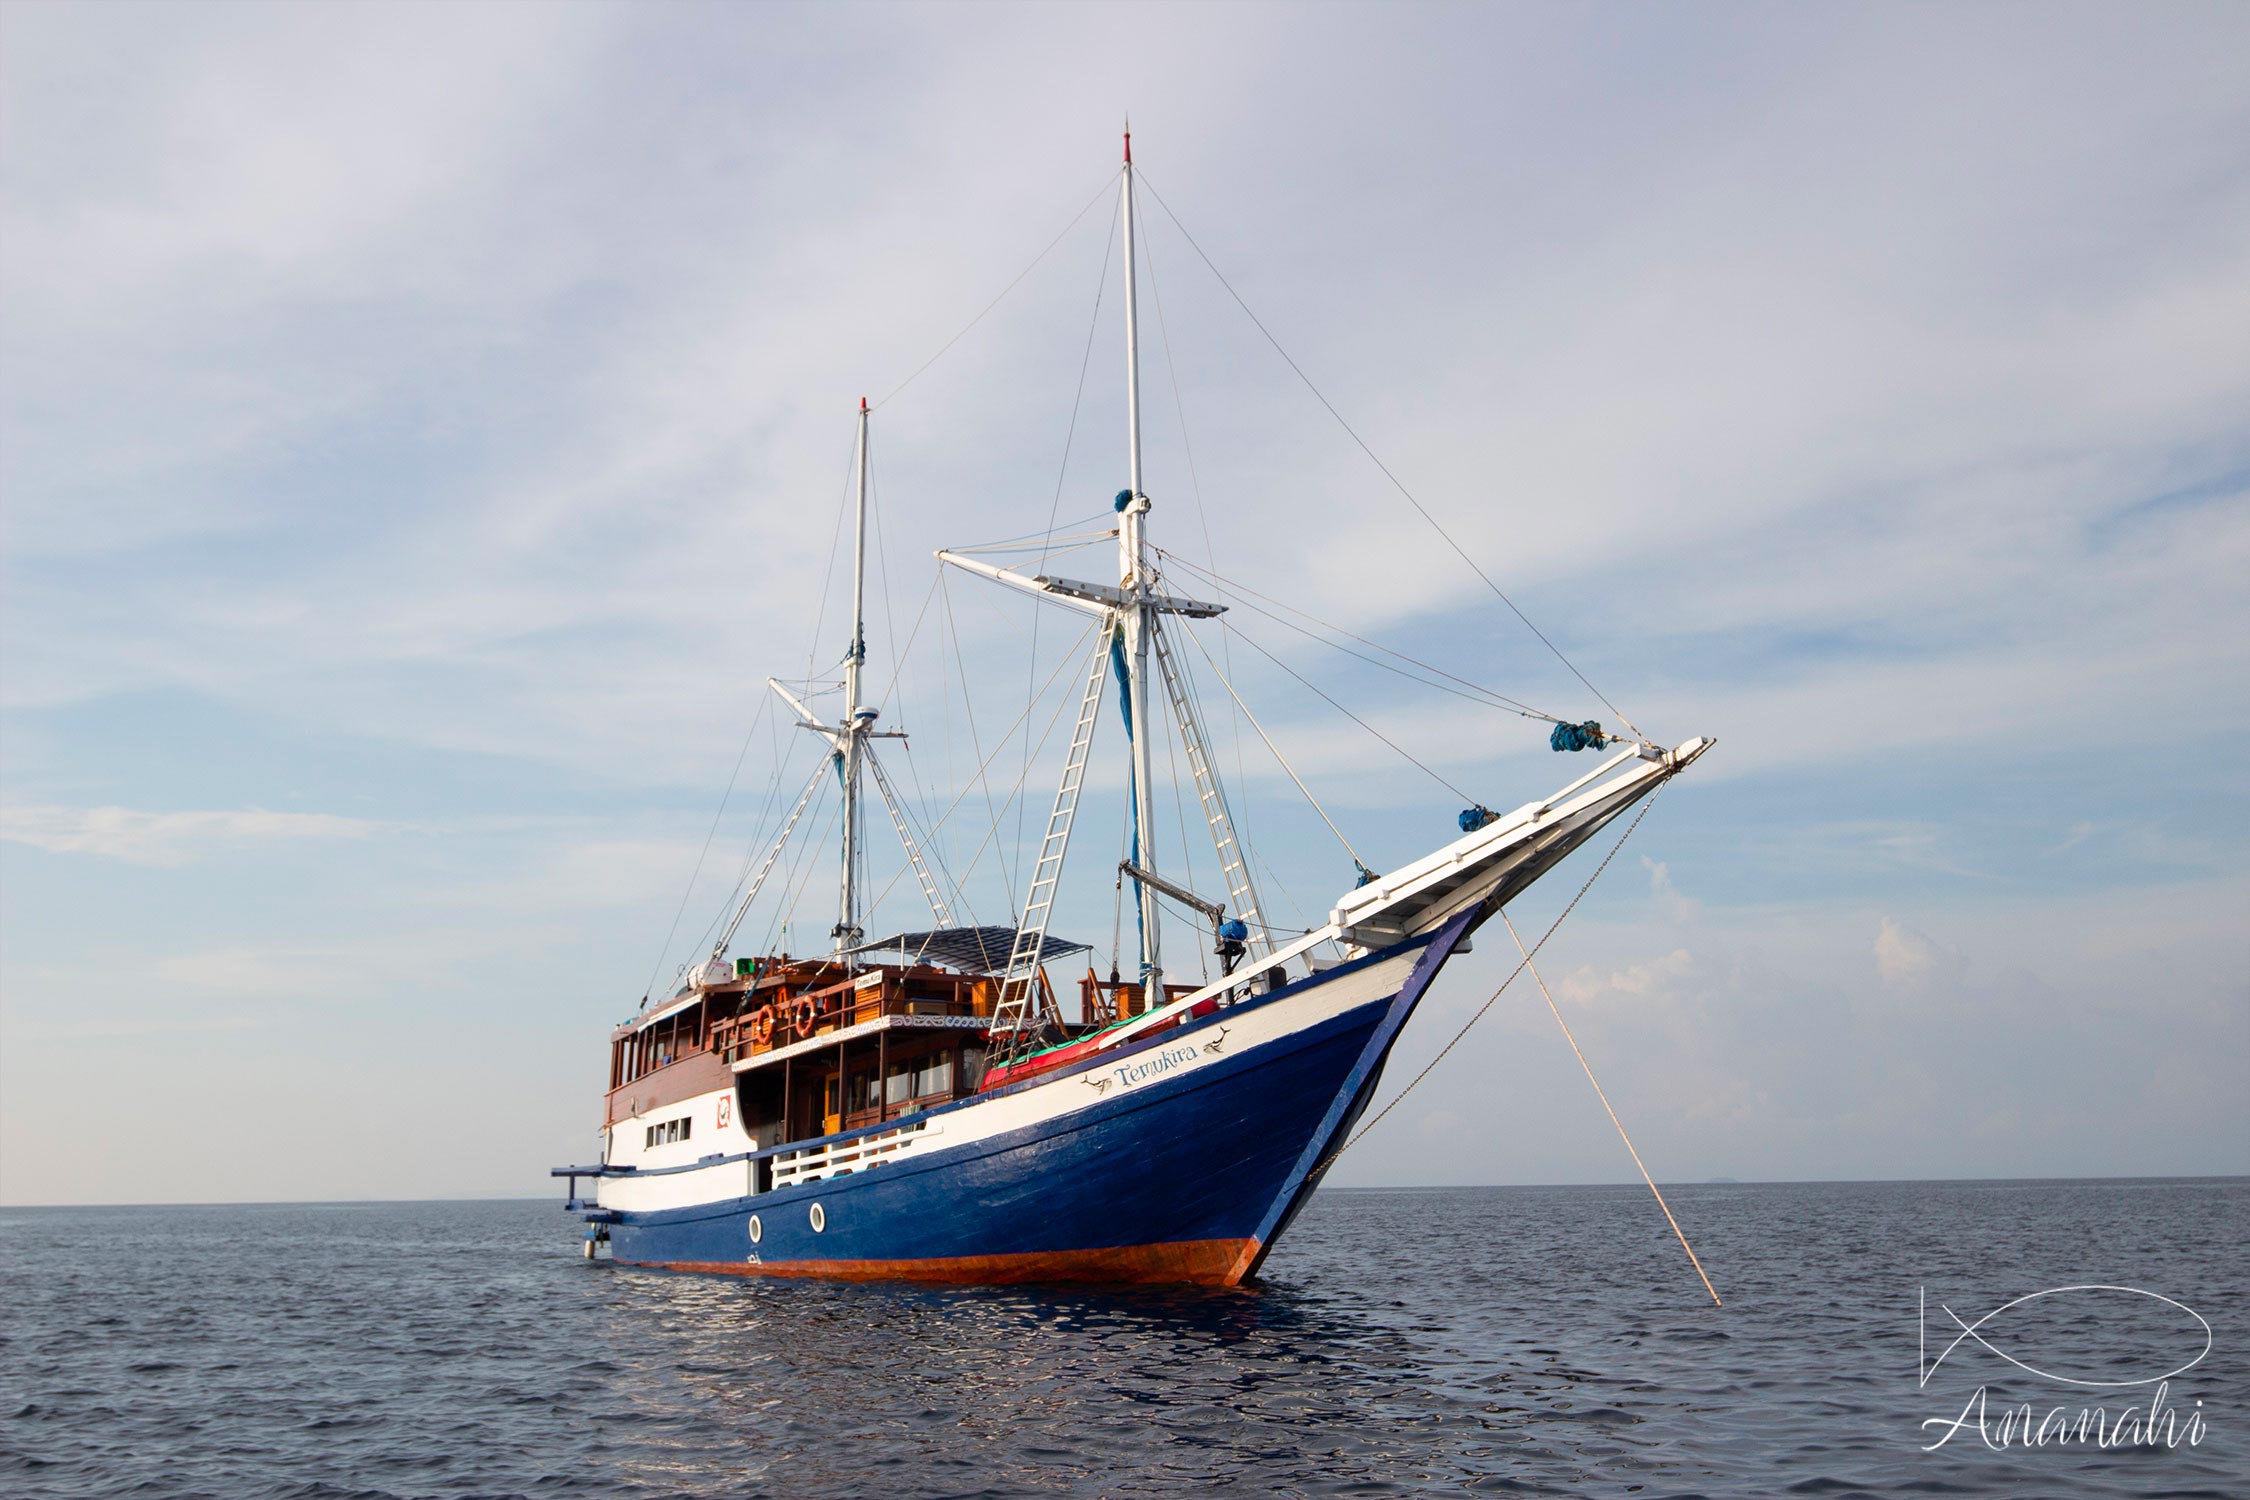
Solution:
(422, 430)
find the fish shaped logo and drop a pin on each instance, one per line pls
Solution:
(1982, 1331)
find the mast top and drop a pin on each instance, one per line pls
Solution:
(863, 403)
(1128, 140)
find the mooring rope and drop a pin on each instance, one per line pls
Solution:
(1620, 1124)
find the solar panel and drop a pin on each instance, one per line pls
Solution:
(971, 950)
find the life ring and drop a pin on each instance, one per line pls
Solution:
(807, 1016)
(761, 1026)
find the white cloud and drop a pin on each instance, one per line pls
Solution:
(167, 838)
(1659, 981)
(484, 383)
(1796, 406)
(1907, 959)
(1675, 906)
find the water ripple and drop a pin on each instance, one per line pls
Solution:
(1519, 1341)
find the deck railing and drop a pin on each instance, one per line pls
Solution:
(831, 1009)
(855, 1155)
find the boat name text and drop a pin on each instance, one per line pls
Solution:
(1153, 1065)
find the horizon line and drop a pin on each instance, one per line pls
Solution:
(1425, 1187)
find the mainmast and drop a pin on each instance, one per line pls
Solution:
(1136, 619)
(856, 720)
(1134, 645)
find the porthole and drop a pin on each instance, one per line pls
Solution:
(757, 1230)
(819, 1218)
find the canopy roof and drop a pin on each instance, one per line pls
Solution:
(972, 950)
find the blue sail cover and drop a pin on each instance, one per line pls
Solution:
(1132, 790)
(1586, 736)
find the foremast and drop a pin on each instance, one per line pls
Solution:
(851, 752)
(848, 932)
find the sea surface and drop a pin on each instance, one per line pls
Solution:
(1530, 1341)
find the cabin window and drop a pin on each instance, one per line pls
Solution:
(667, 1131)
(920, 1080)
(865, 1089)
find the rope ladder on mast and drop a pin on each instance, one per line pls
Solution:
(1022, 1004)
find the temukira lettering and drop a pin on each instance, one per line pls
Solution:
(1165, 1061)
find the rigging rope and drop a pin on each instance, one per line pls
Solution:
(1347, 713)
(1017, 790)
(1477, 693)
(1047, 546)
(1238, 815)
(906, 814)
(806, 863)
(1281, 759)
(1396, 483)
(1054, 505)
(827, 573)
(765, 703)
(995, 302)
(1117, 899)
(882, 561)
(1002, 744)
(1361, 1133)
(1620, 1124)
(757, 841)
(976, 743)
(1179, 813)
(898, 664)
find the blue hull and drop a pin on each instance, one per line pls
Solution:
(1190, 1178)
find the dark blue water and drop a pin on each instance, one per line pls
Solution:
(1523, 1340)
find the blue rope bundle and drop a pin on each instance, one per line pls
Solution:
(1586, 736)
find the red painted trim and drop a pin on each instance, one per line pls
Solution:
(1196, 1262)
(1076, 1052)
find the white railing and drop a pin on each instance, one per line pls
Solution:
(860, 1152)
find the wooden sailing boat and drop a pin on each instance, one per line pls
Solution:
(919, 1107)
